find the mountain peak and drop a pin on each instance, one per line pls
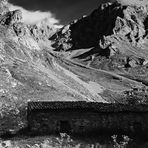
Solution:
(108, 19)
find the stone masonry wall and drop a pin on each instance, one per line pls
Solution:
(87, 122)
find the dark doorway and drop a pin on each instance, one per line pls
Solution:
(65, 127)
(137, 127)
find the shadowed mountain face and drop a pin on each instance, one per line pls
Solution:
(100, 58)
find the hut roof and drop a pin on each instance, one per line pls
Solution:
(86, 106)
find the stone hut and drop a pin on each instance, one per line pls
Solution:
(85, 117)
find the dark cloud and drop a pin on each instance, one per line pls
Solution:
(65, 10)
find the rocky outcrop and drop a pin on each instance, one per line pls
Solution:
(42, 30)
(11, 17)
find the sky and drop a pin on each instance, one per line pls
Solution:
(63, 10)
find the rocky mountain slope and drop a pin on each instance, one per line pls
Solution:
(101, 57)
(111, 39)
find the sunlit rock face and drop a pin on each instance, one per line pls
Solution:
(101, 58)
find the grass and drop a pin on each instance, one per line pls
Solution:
(65, 141)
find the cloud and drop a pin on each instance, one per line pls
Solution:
(34, 17)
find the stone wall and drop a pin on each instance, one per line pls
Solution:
(86, 122)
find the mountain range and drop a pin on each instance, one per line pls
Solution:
(101, 57)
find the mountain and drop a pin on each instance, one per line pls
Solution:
(98, 58)
(112, 39)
